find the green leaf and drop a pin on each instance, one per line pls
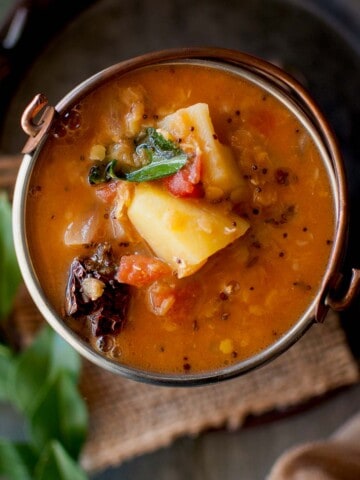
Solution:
(157, 143)
(64, 357)
(157, 169)
(10, 276)
(161, 157)
(56, 464)
(37, 366)
(61, 415)
(98, 174)
(6, 372)
(17, 460)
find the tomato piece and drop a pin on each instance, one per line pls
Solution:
(107, 192)
(141, 270)
(186, 182)
(179, 186)
(180, 299)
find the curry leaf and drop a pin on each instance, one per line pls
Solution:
(157, 169)
(98, 174)
(60, 415)
(38, 365)
(56, 463)
(10, 276)
(31, 373)
(155, 142)
(17, 461)
(6, 371)
(63, 357)
(160, 157)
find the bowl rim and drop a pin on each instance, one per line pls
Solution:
(276, 80)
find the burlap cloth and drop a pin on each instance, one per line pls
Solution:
(337, 458)
(128, 418)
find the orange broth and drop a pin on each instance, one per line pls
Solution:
(247, 294)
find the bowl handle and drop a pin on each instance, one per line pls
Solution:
(341, 301)
(36, 129)
(339, 296)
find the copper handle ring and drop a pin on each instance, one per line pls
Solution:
(343, 302)
(36, 129)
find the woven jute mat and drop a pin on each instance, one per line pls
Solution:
(128, 418)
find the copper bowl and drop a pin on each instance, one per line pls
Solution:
(288, 91)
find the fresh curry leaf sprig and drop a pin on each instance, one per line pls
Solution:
(41, 382)
(18, 461)
(6, 370)
(162, 158)
(9, 271)
(45, 378)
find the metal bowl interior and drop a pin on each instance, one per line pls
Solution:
(294, 97)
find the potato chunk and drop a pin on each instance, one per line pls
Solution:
(183, 233)
(220, 170)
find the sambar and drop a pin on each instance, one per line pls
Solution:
(193, 204)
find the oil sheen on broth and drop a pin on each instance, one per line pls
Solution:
(180, 218)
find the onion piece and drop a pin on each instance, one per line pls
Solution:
(80, 232)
